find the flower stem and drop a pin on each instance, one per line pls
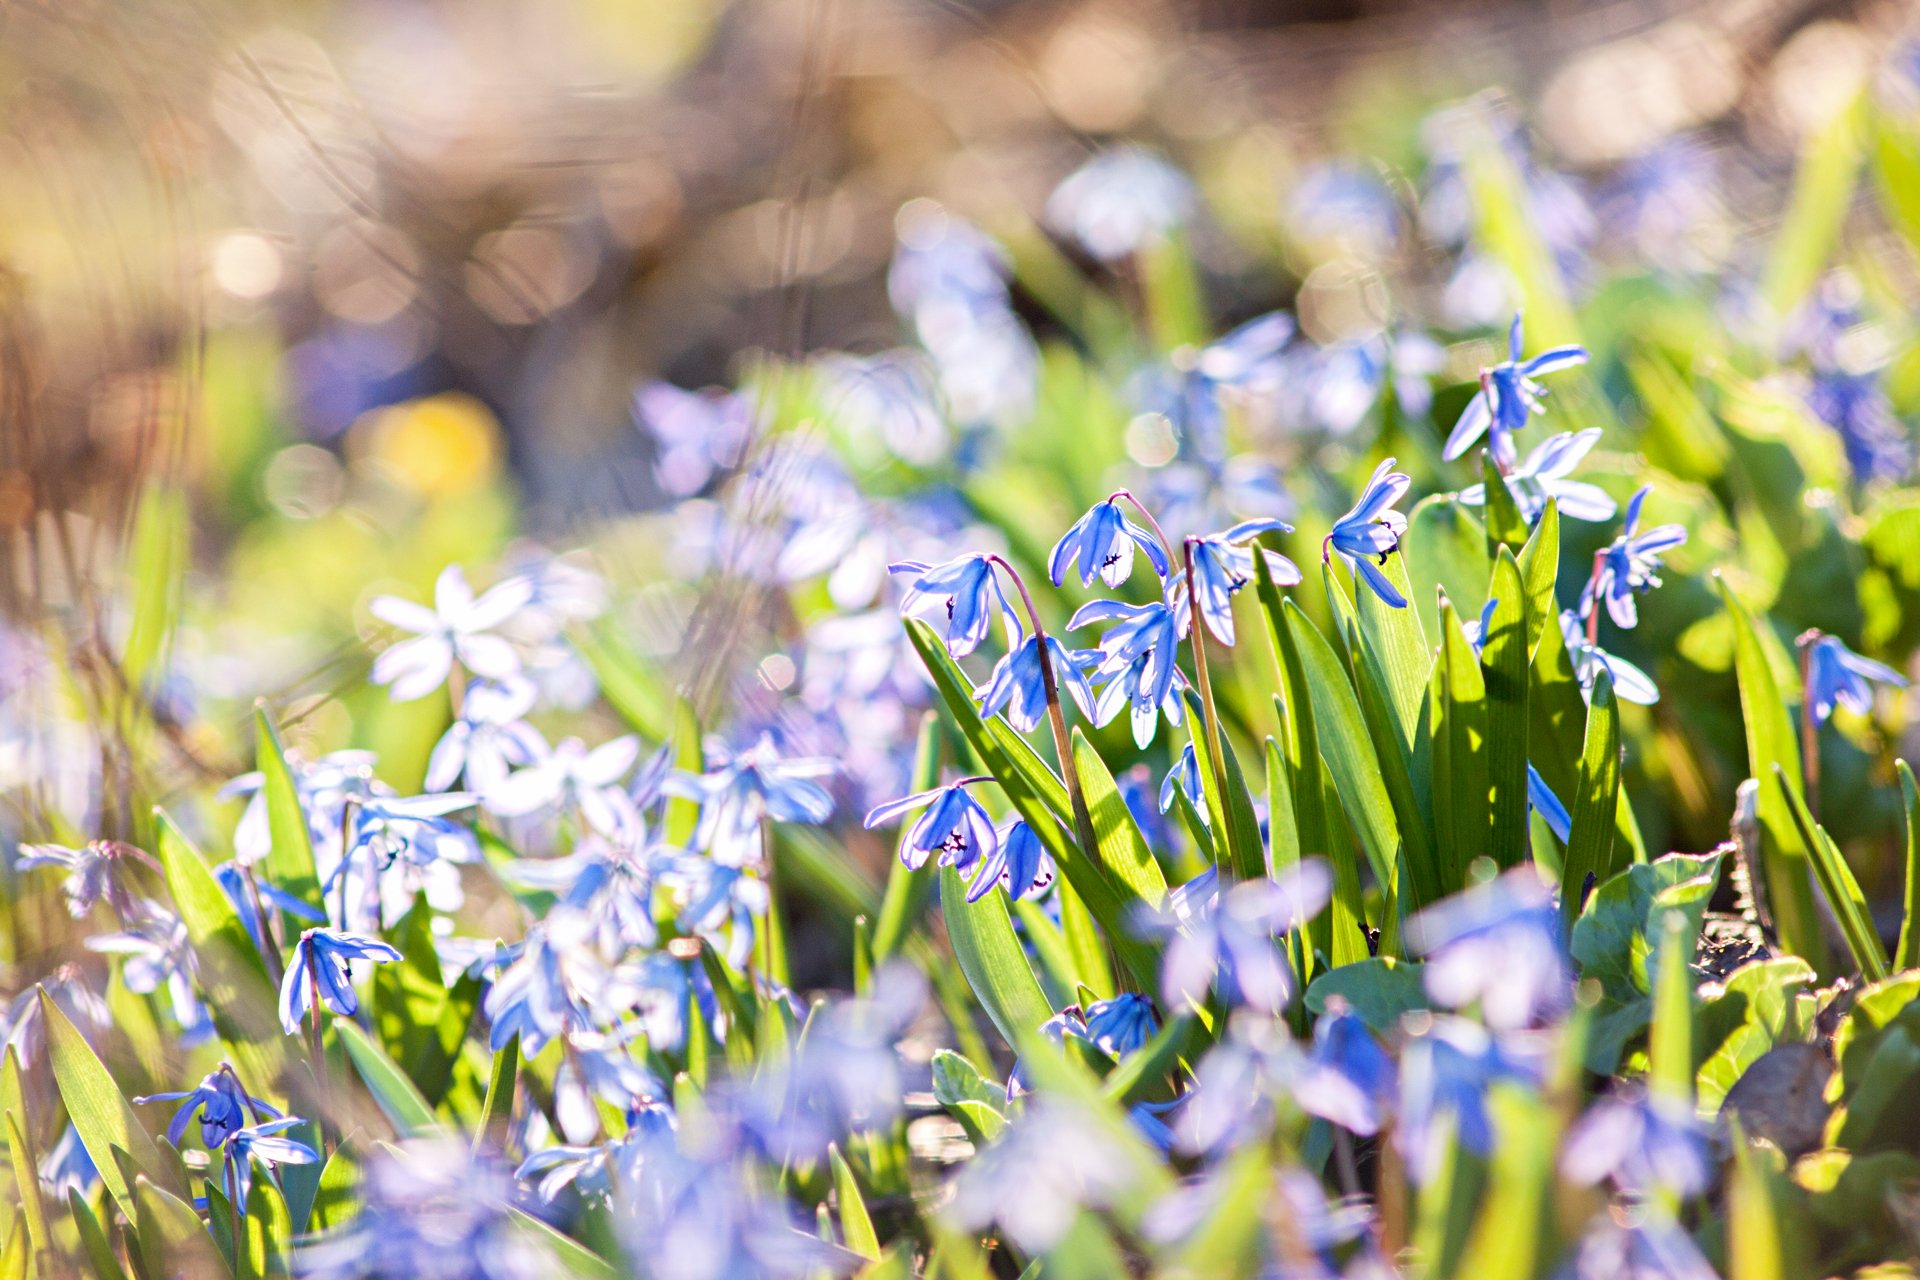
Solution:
(269, 939)
(1216, 759)
(233, 1216)
(1809, 727)
(315, 1043)
(1593, 593)
(1056, 720)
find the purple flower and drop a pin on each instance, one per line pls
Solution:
(697, 434)
(1019, 864)
(973, 595)
(1630, 683)
(1102, 541)
(1018, 683)
(1372, 529)
(221, 1104)
(1446, 1069)
(1507, 395)
(1222, 566)
(322, 968)
(1231, 936)
(1837, 676)
(954, 826)
(1122, 1024)
(1120, 201)
(1631, 564)
(1349, 1078)
(1496, 945)
(262, 1143)
(1543, 475)
(1642, 1143)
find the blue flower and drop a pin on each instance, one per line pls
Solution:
(1630, 683)
(1544, 475)
(458, 628)
(1231, 936)
(1122, 1024)
(1496, 945)
(1222, 566)
(697, 434)
(1540, 796)
(1373, 529)
(1446, 1069)
(972, 593)
(1102, 541)
(1507, 395)
(221, 1104)
(323, 967)
(1186, 775)
(553, 986)
(954, 826)
(1120, 201)
(1836, 675)
(234, 882)
(94, 871)
(263, 1143)
(1019, 685)
(1140, 660)
(572, 779)
(741, 789)
(1349, 1078)
(417, 829)
(1631, 564)
(1642, 1143)
(1019, 864)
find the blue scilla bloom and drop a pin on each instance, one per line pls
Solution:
(1543, 474)
(1540, 796)
(1641, 1143)
(1644, 1245)
(1122, 1024)
(740, 789)
(69, 1167)
(1133, 688)
(1147, 634)
(1630, 683)
(972, 594)
(221, 1103)
(1348, 1079)
(554, 984)
(1855, 405)
(1019, 864)
(1230, 937)
(1496, 945)
(263, 1143)
(386, 829)
(1507, 395)
(1446, 1069)
(954, 826)
(1372, 530)
(1103, 541)
(1223, 565)
(1185, 775)
(1120, 201)
(322, 969)
(233, 882)
(1189, 392)
(1631, 565)
(1837, 676)
(1018, 682)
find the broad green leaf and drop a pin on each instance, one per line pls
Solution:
(1446, 550)
(1784, 853)
(856, 1225)
(1399, 646)
(575, 1258)
(104, 1118)
(26, 1176)
(1122, 848)
(1083, 941)
(1539, 565)
(1057, 967)
(93, 1240)
(1556, 734)
(1378, 990)
(1595, 801)
(1341, 929)
(1758, 1008)
(683, 814)
(497, 1111)
(1462, 817)
(1231, 814)
(338, 1190)
(1503, 670)
(956, 1079)
(1505, 525)
(289, 862)
(172, 1241)
(395, 1094)
(1836, 880)
(991, 957)
(1612, 939)
(269, 1230)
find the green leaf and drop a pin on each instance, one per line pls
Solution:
(172, 1240)
(231, 975)
(1784, 853)
(1611, 938)
(395, 1094)
(157, 565)
(576, 1258)
(1122, 848)
(1906, 955)
(991, 957)
(1556, 733)
(856, 1224)
(496, 1112)
(1823, 187)
(956, 1079)
(631, 685)
(1505, 525)
(1842, 891)
(1539, 565)
(1758, 1008)
(333, 1202)
(1595, 801)
(1378, 989)
(1447, 552)
(1503, 670)
(93, 1240)
(1670, 1039)
(1461, 812)
(99, 1111)
(1232, 813)
(26, 1176)
(408, 994)
(1400, 650)
(289, 862)
(683, 814)
(269, 1229)
(1514, 1238)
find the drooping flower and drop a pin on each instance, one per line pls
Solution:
(1837, 676)
(1130, 689)
(94, 871)
(1102, 541)
(458, 628)
(322, 969)
(1120, 201)
(489, 740)
(573, 779)
(1349, 1078)
(1641, 1142)
(554, 985)
(1018, 682)
(1223, 565)
(1496, 946)
(1185, 775)
(1372, 530)
(1231, 937)
(1019, 864)
(1050, 1164)
(953, 826)
(1122, 1024)
(262, 1143)
(1446, 1068)
(1507, 395)
(1631, 565)
(1543, 475)
(741, 789)
(221, 1103)
(972, 593)
(415, 828)
(1630, 683)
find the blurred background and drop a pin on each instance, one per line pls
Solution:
(373, 287)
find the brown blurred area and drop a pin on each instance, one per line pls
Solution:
(539, 205)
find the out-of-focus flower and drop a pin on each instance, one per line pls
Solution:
(1648, 1246)
(155, 955)
(1642, 1143)
(68, 1168)
(610, 886)
(1185, 775)
(1222, 565)
(1543, 475)
(954, 826)
(1446, 1068)
(740, 790)
(554, 985)
(573, 779)
(1837, 676)
(1344, 207)
(1019, 864)
(415, 828)
(1373, 529)
(458, 628)
(1051, 1163)
(972, 593)
(322, 971)
(1508, 395)
(1496, 945)
(1349, 1079)
(1631, 566)
(698, 434)
(488, 740)
(262, 1143)
(1120, 201)
(221, 1104)
(1102, 541)
(1231, 937)
(1018, 683)
(1589, 660)
(93, 872)
(1122, 1024)
(888, 398)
